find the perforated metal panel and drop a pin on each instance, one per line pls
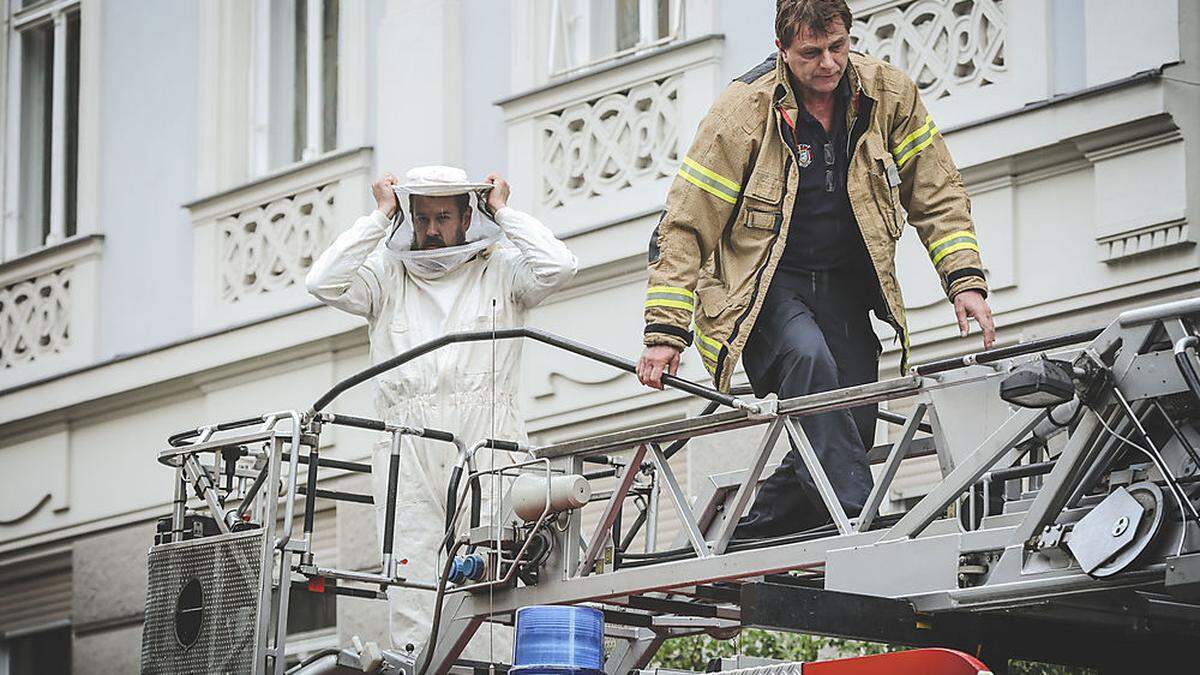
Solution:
(209, 629)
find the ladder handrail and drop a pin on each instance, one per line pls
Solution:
(537, 335)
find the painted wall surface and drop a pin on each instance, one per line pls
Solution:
(485, 79)
(1123, 39)
(149, 107)
(749, 29)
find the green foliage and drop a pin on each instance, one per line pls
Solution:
(1034, 668)
(694, 653)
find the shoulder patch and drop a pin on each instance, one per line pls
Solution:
(758, 71)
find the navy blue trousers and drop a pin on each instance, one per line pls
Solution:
(812, 335)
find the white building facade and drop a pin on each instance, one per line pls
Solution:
(170, 171)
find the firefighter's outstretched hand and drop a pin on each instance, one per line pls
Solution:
(972, 305)
(656, 360)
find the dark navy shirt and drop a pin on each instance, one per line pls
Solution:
(823, 234)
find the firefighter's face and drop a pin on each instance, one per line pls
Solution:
(817, 61)
(439, 222)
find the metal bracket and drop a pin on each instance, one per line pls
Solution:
(611, 509)
(765, 410)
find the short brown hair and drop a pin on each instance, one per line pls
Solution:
(815, 15)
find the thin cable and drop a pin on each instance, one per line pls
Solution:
(312, 658)
(495, 480)
(1161, 463)
(1182, 516)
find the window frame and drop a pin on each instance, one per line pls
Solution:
(18, 20)
(262, 70)
(561, 38)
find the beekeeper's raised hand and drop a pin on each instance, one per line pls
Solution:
(385, 196)
(498, 196)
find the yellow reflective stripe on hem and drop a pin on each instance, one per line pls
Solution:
(709, 361)
(677, 304)
(962, 246)
(707, 346)
(712, 183)
(912, 153)
(707, 340)
(671, 289)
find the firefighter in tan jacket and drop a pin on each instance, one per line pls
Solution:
(780, 236)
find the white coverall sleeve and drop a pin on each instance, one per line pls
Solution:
(343, 277)
(543, 263)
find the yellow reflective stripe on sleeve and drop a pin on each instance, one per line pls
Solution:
(912, 153)
(670, 296)
(959, 234)
(909, 138)
(709, 173)
(677, 304)
(955, 241)
(671, 289)
(709, 181)
(961, 246)
(915, 142)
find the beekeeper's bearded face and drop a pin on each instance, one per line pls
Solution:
(439, 222)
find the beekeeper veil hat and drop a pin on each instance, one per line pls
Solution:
(441, 181)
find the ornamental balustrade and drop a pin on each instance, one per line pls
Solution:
(48, 309)
(270, 247)
(604, 145)
(945, 46)
(35, 318)
(257, 242)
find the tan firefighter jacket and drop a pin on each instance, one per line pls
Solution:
(716, 248)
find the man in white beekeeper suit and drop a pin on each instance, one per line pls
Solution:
(445, 269)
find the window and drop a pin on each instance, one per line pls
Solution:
(35, 615)
(585, 33)
(47, 651)
(295, 81)
(43, 117)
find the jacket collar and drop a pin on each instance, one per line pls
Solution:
(786, 98)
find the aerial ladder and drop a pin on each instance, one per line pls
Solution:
(1064, 527)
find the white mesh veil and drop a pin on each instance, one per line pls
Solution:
(482, 233)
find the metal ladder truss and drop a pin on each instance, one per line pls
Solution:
(1050, 529)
